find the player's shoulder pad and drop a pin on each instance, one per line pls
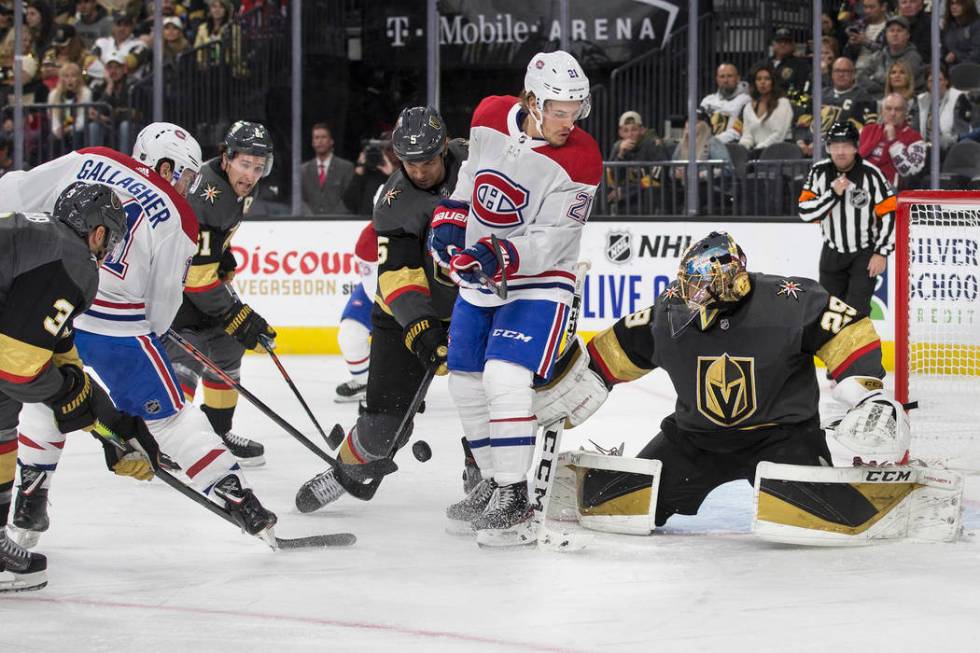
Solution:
(401, 207)
(459, 149)
(799, 295)
(213, 199)
(366, 248)
(492, 112)
(579, 157)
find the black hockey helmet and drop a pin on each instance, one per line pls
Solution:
(711, 278)
(419, 135)
(843, 132)
(250, 138)
(83, 207)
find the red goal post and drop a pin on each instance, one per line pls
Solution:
(937, 323)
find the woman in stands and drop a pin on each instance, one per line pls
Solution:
(768, 117)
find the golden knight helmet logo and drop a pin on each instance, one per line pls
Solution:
(726, 389)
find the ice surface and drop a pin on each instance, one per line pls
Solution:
(137, 567)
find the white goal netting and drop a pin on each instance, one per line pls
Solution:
(938, 329)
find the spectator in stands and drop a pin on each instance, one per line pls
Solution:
(704, 144)
(636, 143)
(168, 8)
(213, 30)
(6, 154)
(122, 45)
(114, 91)
(844, 101)
(39, 17)
(6, 18)
(66, 46)
(920, 29)
(792, 72)
(900, 81)
(69, 122)
(174, 41)
(866, 37)
(50, 71)
(92, 22)
(64, 11)
(961, 36)
(724, 107)
(897, 48)
(326, 176)
(374, 165)
(955, 111)
(892, 145)
(829, 51)
(768, 117)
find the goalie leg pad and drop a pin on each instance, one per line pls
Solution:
(616, 494)
(853, 506)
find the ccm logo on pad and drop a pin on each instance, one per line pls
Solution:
(497, 200)
(513, 335)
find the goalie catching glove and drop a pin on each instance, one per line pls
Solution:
(876, 426)
(574, 392)
(246, 326)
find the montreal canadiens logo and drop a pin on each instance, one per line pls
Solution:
(497, 200)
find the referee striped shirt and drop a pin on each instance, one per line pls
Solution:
(862, 218)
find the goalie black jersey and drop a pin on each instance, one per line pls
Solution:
(754, 366)
(410, 284)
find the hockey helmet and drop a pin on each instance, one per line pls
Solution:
(161, 142)
(250, 138)
(557, 76)
(710, 280)
(843, 132)
(83, 207)
(419, 135)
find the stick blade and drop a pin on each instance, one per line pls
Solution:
(317, 541)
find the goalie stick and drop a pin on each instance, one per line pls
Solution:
(544, 473)
(355, 489)
(329, 539)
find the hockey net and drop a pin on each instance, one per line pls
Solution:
(937, 323)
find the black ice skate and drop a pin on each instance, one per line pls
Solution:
(319, 491)
(462, 513)
(248, 452)
(350, 392)
(245, 507)
(507, 520)
(30, 508)
(20, 570)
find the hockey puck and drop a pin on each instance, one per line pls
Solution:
(421, 450)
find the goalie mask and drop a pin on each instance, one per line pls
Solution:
(711, 279)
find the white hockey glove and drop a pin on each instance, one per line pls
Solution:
(574, 392)
(876, 426)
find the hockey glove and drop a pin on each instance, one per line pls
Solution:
(447, 233)
(80, 401)
(426, 338)
(247, 326)
(144, 455)
(227, 266)
(466, 266)
(876, 426)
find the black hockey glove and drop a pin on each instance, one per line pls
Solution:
(426, 338)
(144, 455)
(247, 326)
(80, 401)
(227, 266)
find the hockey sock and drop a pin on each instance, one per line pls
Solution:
(8, 466)
(355, 345)
(474, 414)
(512, 421)
(220, 400)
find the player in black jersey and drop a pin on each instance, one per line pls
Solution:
(739, 348)
(414, 297)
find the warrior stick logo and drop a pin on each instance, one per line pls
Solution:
(498, 200)
(726, 389)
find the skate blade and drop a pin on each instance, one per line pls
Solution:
(257, 461)
(460, 528)
(520, 535)
(348, 400)
(23, 536)
(11, 582)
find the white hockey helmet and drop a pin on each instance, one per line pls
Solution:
(160, 141)
(557, 76)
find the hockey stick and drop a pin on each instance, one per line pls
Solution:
(330, 539)
(269, 345)
(499, 288)
(544, 474)
(354, 488)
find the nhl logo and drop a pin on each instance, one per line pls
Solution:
(152, 407)
(619, 248)
(859, 198)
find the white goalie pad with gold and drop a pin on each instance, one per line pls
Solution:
(852, 506)
(613, 502)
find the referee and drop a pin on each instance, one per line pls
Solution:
(856, 206)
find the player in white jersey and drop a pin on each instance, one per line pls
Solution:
(529, 180)
(354, 334)
(140, 290)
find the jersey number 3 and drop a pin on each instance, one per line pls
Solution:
(63, 309)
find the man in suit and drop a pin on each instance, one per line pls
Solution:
(325, 176)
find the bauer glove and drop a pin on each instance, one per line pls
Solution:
(426, 338)
(466, 267)
(247, 326)
(447, 233)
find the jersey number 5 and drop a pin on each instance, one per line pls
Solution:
(837, 316)
(63, 309)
